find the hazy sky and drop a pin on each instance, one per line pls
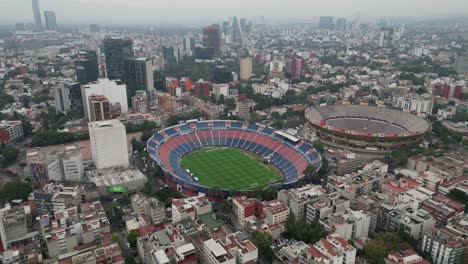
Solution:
(172, 11)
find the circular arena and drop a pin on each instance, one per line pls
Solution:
(370, 129)
(229, 156)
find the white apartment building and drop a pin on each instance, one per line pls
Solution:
(114, 90)
(220, 89)
(108, 144)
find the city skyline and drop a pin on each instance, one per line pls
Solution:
(146, 11)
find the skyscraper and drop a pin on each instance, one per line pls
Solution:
(326, 22)
(212, 37)
(168, 52)
(86, 67)
(237, 34)
(138, 76)
(50, 20)
(94, 28)
(386, 37)
(37, 16)
(117, 50)
(189, 44)
(340, 24)
(245, 68)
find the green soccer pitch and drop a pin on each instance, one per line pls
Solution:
(230, 169)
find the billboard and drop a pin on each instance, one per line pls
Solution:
(117, 189)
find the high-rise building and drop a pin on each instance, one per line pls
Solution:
(340, 24)
(99, 108)
(108, 144)
(116, 51)
(243, 24)
(115, 91)
(238, 35)
(189, 44)
(168, 52)
(212, 37)
(20, 27)
(94, 28)
(245, 68)
(86, 67)
(138, 75)
(386, 37)
(38, 27)
(68, 97)
(244, 109)
(10, 131)
(50, 20)
(326, 23)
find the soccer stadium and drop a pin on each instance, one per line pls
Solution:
(369, 129)
(229, 156)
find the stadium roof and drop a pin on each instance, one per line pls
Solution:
(287, 135)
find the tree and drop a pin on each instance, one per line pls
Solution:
(303, 231)
(263, 241)
(116, 238)
(230, 103)
(376, 251)
(311, 176)
(132, 238)
(15, 190)
(459, 196)
(319, 146)
(265, 193)
(5, 99)
(421, 90)
(8, 155)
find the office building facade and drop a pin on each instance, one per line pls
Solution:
(116, 51)
(138, 75)
(86, 67)
(212, 37)
(38, 27)
(50, 20)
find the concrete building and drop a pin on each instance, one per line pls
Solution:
(99, 108)
(403, 217)
(124, 180)
(66, 230)
(220, 89)
(190, 207)
(444, 245)
(10, 131)
(386, 37)
(149, 206)
(108, 144)
(246, 209)
(243, 107)
(354, 185)
(349, 224)
(68, 97)
(326, 206)
(275, 212)
(18, 241)
(72, 164)
(114, 91)
(215, 253)
(297, 199)
(45, 166)
(245, 69)
(416, 104)
(54, 197)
